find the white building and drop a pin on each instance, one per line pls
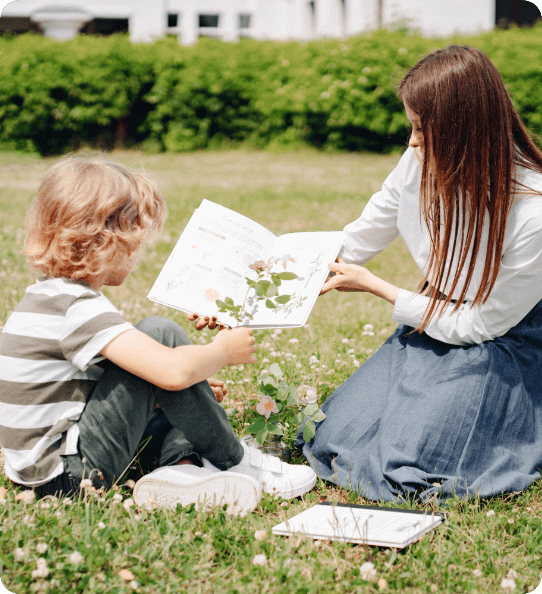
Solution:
(262, 19)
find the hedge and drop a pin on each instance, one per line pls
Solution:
(336, 94)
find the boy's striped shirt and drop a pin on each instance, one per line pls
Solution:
(48, 350)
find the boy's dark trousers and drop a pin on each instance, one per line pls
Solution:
(121, 414)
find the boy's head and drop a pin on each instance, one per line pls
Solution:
(89, 215)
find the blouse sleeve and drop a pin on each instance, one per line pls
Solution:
(517, 289)
(376, 228)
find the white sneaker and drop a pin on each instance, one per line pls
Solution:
(186, 484)
(276, 477)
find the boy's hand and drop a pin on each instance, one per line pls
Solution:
(239, 345)
(218, 387)
(200, 324)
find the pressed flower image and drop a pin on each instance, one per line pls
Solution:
(211, 295)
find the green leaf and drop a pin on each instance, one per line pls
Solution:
(274, 429)
(318, 416)
(249, 316)
(287, 275)
(231, 412)
(265, 285)
(250, 282)
(229, 301)
(261, 436)
(276, 280)
(269, 304)
(298, 418)
(309, 431)
(275, 370)
(272, 291)
(256, 426)
(310, 409)
(292, 397)
(259, 290)
(267, 380)
(282, 299)
(223, 305)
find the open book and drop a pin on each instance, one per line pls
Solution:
(220, 249)
(363, 524)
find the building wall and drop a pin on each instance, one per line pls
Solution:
(276, 19)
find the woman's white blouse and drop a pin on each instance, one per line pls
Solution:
(396, 210)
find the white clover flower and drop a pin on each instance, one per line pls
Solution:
(45, 505)
(313, 359)
(28, 521)
(134, 585)
(85, 483)
(42, 570)
(260, 559)
(508, 585)
(240, 367)
(298, 365)
(59, 513)
(26, 496)
(19, 554)
(101, 525)
(117, 497)
(278, 331)
(477, 573)
(230, 382)
(76, 558)
(68, 501)
(267, 345)
(512, 574)
(367, 571)
(247, 381)
(274, 354)
(345, 340)
(265, 360)
(294, 341)
(128, 503)
(351, 351)
(490, 513)
(260, 534)
(41, 547)
(355, 362)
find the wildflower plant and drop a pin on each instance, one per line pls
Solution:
(282, 404)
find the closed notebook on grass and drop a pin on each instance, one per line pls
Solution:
(225, 264)
(362, 524)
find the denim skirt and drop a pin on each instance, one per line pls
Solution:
(422, 418)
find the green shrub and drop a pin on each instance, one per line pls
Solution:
(334, 94)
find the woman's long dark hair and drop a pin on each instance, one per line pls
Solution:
(473, 140)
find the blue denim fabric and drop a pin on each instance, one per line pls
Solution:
(427, 419)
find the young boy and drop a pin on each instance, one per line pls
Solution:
(80, 385)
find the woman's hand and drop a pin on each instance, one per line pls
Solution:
(201, 323)
(218, 387)
(350, 277)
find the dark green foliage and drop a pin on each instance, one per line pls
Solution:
(334, 94)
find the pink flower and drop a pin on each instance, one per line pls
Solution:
(257, 266)
(211, 295)
(267, 406)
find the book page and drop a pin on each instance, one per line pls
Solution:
(209, 261)
(374, 526)
(307, 255)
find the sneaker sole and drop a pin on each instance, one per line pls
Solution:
(241, 493)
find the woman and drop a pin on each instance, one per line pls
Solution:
(452, 402)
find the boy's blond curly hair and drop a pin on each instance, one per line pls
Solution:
(87, 213)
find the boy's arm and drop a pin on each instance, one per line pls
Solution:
(183, 366)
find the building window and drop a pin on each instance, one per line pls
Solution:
(105, 27)
(172, 21)
(208, 20)
(244, 21)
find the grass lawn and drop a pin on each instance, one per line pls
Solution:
(122, 549)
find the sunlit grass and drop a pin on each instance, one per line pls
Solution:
(185, 551)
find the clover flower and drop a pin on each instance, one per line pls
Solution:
(85, 483)
(76, 558)
(267, 406)
(19, 554)
(367, 571)
(42, 570)
(260, 534)
(41, 547)
(260, 559)
(508, 585)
